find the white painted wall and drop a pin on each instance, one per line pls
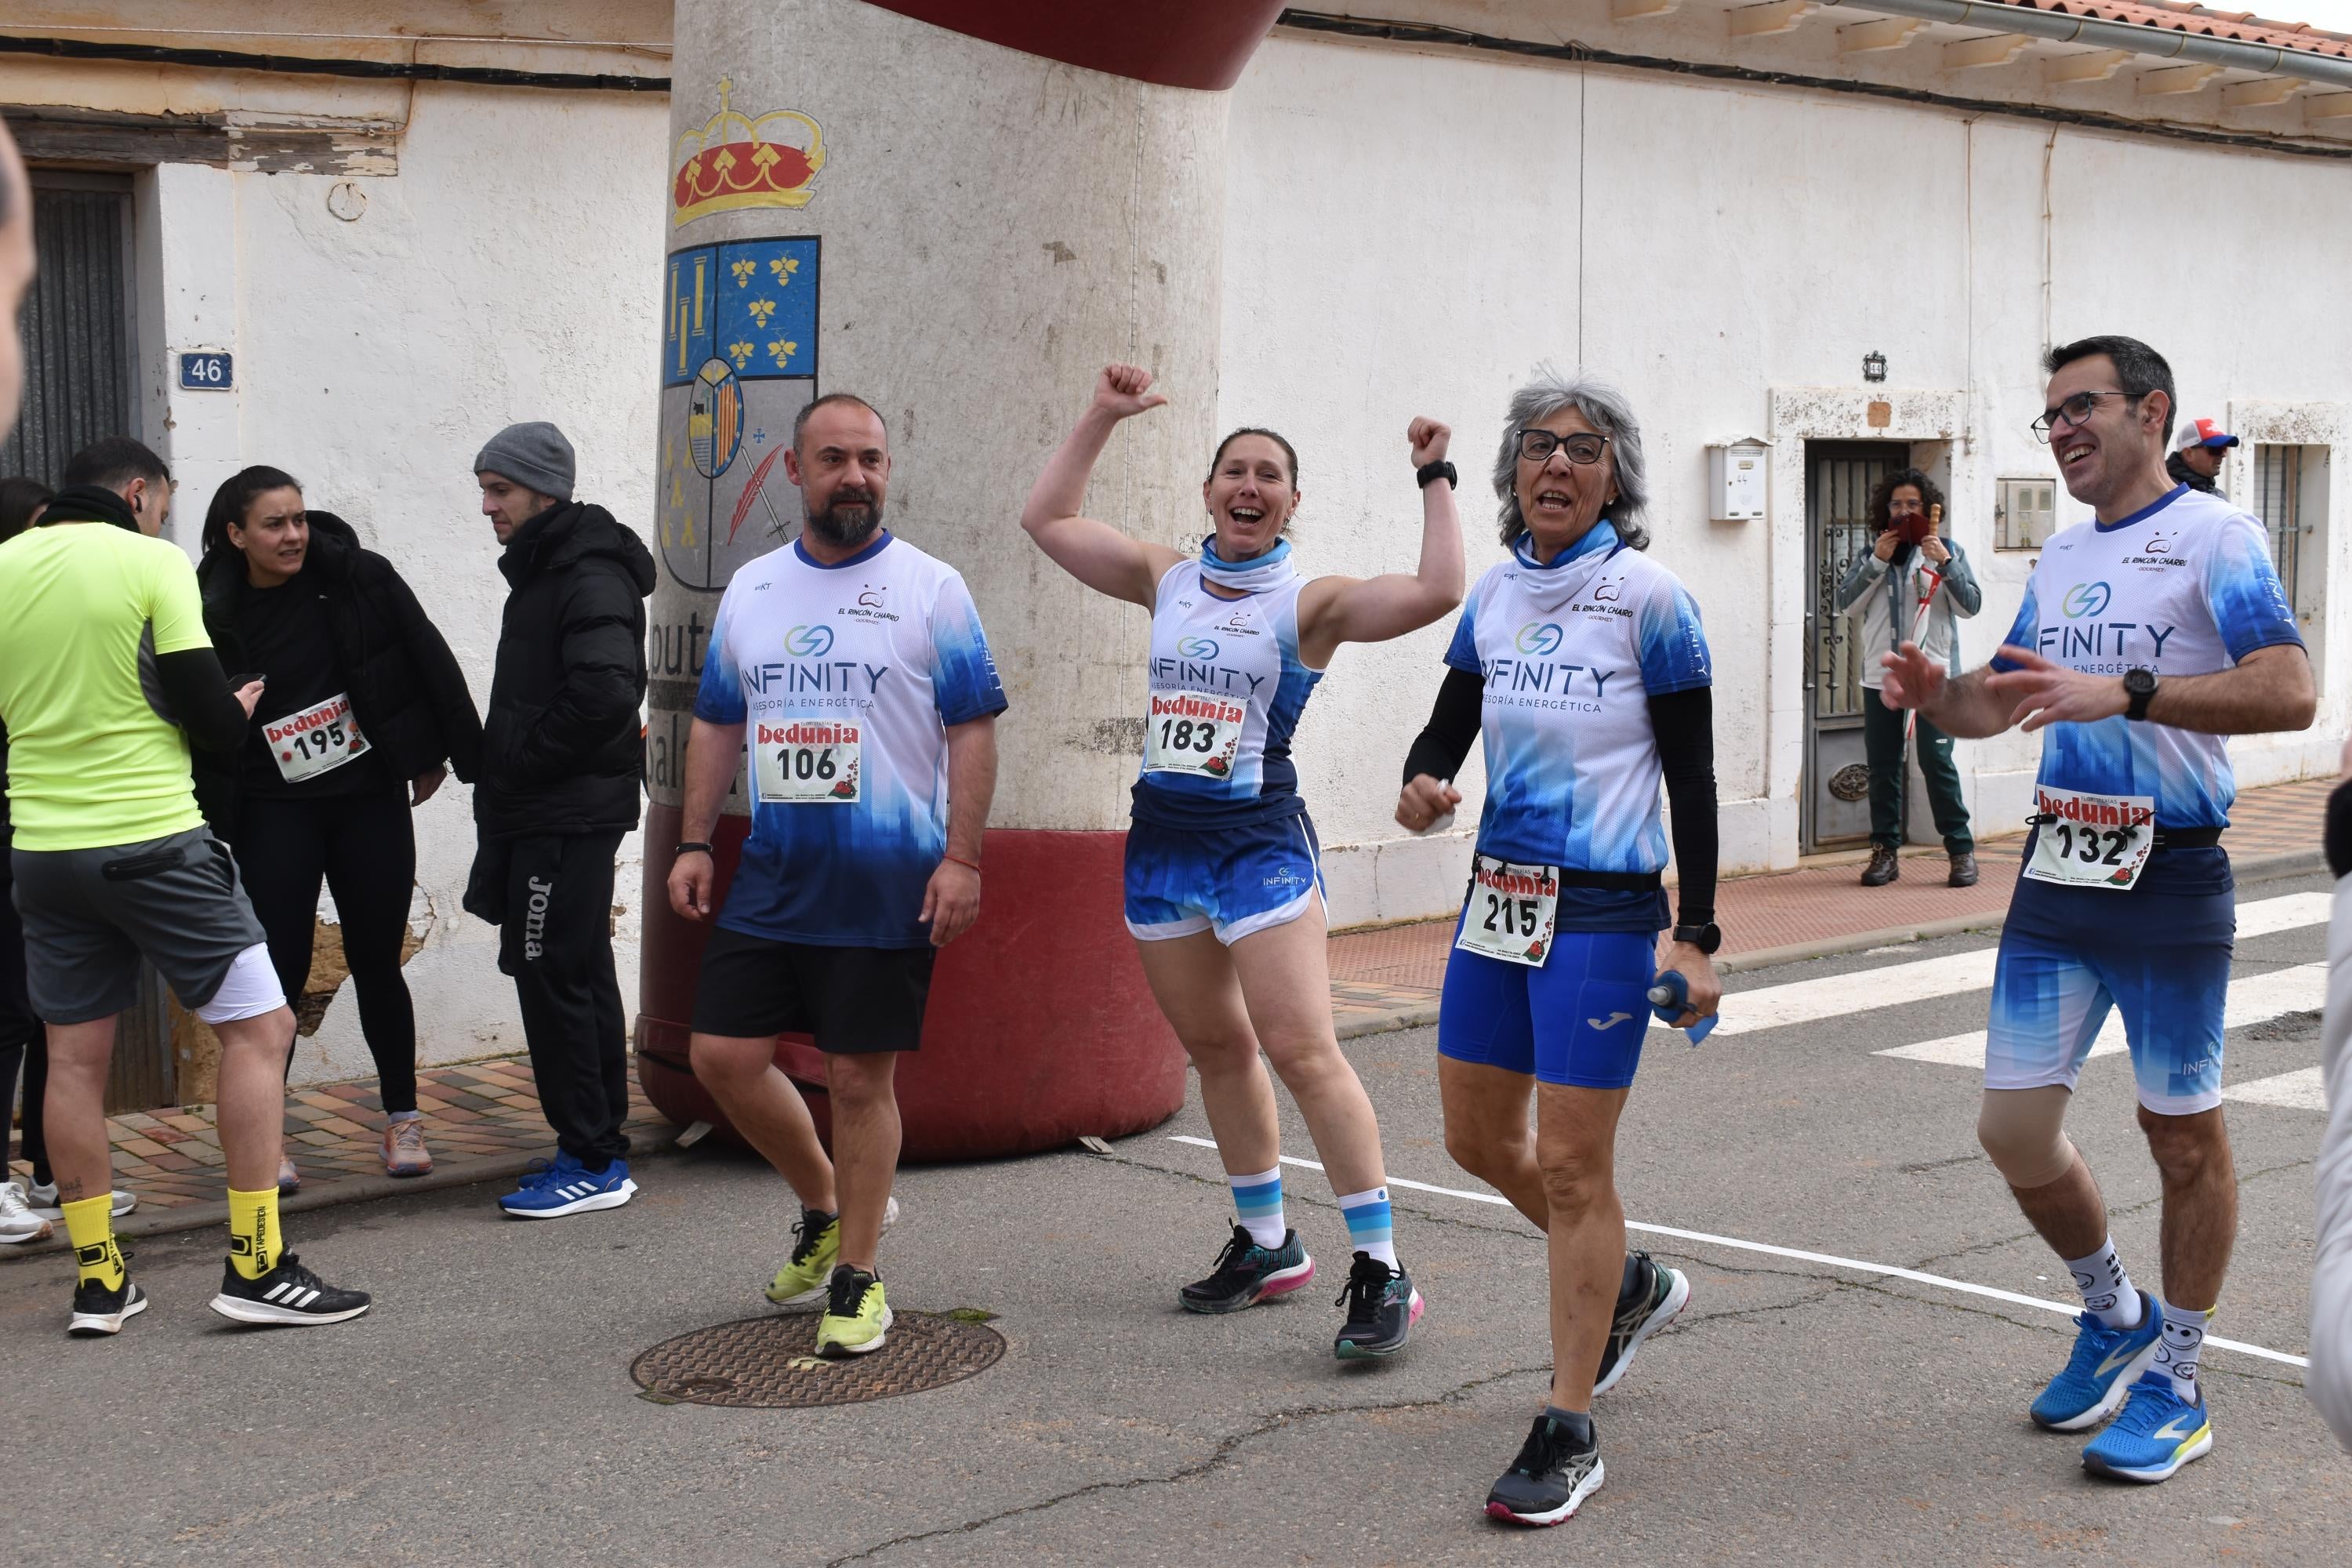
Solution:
(510, 271)
(1411, 232)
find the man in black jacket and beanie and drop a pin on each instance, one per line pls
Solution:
(562, 757)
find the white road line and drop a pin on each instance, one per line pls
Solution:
(2255, 999)
(2300, 1090)
(1888, 1270)
(1840, 995)
(1831, 996)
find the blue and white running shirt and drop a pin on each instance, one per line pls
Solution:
(1226, 689)
(845, 678)
(2182, 588)
(1571, 652)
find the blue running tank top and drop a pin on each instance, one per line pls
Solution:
(1226, 687)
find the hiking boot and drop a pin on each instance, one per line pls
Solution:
(1964, 870)
(1884, 867)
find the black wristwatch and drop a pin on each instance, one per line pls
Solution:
(1705, 938)
(1441, 469)
(2141, 685)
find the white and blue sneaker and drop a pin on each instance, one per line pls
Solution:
(553, 1189)
(2156, 1434)
(2100, 1372)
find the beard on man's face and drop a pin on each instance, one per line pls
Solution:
(850, 517)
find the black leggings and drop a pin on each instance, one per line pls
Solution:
(365, 848)
(21, 1036)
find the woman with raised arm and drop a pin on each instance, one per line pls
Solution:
(1224, 889)
(1583, 665)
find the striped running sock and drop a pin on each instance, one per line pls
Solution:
(89, 1224)
(1258, 1200)
(1368, 1223)
(254, 1239)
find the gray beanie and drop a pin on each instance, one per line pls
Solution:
(535, 454)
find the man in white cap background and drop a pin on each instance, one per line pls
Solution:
(562, 755)
(2196, 460)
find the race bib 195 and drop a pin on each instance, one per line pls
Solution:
(1509, 911)
(1193, 732)
(2091, 840)
(805, 762)
(318, 740)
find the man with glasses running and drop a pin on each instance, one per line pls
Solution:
(2146, 635)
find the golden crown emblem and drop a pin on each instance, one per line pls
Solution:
(735, 162)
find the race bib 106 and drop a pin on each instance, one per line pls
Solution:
(805, 762)
(1193, 732)
(2091, 840)
(1509, 911)
(318, 740)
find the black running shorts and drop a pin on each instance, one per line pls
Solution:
(853, 1000)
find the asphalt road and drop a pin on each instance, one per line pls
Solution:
(1799, 1413)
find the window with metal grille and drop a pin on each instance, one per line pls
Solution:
(2278, 502)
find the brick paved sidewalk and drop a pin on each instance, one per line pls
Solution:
(483, 1120)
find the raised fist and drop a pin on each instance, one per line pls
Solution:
(1429, 440)
(1123, 391)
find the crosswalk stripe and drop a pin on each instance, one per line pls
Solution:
(2254, 999)
(2298, 1091)
(1840, 995)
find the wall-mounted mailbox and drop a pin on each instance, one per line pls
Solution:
(1735, 476)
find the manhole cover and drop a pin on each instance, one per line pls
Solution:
(771, 1363)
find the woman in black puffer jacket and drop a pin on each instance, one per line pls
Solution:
(362, 712)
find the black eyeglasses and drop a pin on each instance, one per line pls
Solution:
(1584, 448)
(2075, 411)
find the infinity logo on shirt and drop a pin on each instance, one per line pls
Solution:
(2085, 599)
(1541, 638)
(1198, 647)
(809, 642)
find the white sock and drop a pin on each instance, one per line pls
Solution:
(2184, 1337)
(1367, 1215)
(1257, 1200)
(2108, 1293)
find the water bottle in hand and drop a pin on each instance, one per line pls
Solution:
(1669, 999)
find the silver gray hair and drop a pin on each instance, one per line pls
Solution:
(1605, 408)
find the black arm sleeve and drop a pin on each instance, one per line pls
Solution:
(1684, 722)
(1444, 741)
(196, 687)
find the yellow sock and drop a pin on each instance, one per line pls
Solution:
(90, 1224)
(254, 1242)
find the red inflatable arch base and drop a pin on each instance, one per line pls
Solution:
(1041, 1029)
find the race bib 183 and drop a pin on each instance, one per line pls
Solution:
(1509, 911)
(805, 762)
(2091, 840)
(1193, 732)
(318, 740)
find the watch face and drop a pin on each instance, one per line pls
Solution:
(2142, 681)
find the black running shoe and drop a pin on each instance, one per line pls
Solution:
(1382, 1308)
(99, 1311)
(1665, 1292)
(1550, 1478)
(288, 1293)
(1247, 1274)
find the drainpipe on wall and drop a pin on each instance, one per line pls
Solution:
(2165, 43)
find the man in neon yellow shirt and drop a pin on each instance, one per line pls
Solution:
(104, 671)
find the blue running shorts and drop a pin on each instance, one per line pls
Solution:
(2160, 953)
(1578, 1020)
(1235, 881)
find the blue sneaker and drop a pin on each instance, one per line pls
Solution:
(2100, 1372)
(565, 1186)
(2156, 1434)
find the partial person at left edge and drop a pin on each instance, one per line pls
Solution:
(22, 501)
(104, 674)
(363, 710)
(563, 766)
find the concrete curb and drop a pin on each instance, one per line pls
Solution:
(445, 1174)
(1419, 1014)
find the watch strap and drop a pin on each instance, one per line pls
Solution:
(1706, 938)
(1441, 469)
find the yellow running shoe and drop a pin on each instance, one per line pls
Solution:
(815, 1250)
(857, 1319)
